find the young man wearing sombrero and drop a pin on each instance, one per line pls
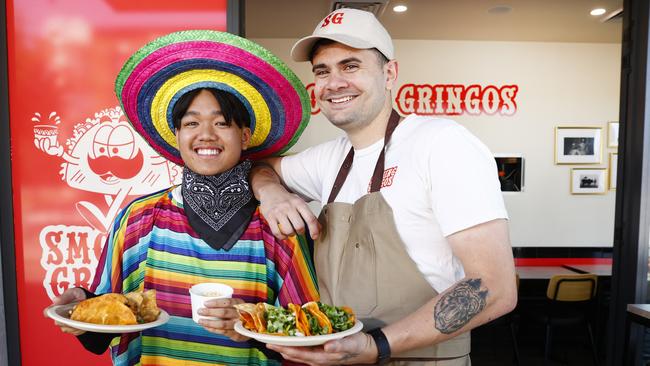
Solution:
(414, 236)
(209, 101)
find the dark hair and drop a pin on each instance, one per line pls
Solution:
(232, 108)
(326, 42)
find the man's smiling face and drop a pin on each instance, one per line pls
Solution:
(350, 85)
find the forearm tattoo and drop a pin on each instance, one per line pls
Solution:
(458, 306)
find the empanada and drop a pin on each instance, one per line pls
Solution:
(105, 309)
(118, 309)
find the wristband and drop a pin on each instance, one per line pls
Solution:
(383, 348)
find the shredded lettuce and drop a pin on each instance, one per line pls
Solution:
(279, 320)
(314, 327)
(340, 319)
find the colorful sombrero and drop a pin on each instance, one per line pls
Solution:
(154, 77)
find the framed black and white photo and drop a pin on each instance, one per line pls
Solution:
(588, 181)
(613, 168)
(612, 134)
(578, 145)
(510, 168)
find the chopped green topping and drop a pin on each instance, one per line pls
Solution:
(279, 320)
(340, 319)
(314, 326)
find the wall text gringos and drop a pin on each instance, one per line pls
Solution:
(69, 256)
(453, 99)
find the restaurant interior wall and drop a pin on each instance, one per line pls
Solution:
(560, 84)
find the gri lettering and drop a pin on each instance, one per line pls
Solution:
(453, 99)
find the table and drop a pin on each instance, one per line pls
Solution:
(637, 313)
(541, 272)
(601, 270)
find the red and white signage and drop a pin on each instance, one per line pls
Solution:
(104, 156)
(75, 160)
(455, 99)
(448, 99)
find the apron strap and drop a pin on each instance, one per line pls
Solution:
(378, 174)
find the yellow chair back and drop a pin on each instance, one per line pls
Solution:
(578, 287)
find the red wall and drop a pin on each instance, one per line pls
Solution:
(63, 58)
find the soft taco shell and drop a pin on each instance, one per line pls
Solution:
(348, 310)
(323, 320)
(260, 316)
(302, 324)
(247, 315)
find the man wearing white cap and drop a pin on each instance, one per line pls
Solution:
(413, 233)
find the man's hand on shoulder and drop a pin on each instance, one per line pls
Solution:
(285, 212)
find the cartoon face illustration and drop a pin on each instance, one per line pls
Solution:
(107, 156)
(114, 155)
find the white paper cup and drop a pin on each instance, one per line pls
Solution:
(202, 292)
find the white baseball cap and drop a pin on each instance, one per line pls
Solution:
(352, 27)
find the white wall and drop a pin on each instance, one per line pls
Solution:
(559, 84)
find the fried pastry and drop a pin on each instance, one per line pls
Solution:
(148, 310)
(118, 309)
(105, 309)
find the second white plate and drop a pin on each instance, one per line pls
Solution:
(297, 341)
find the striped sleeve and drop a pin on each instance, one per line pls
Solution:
(123, 251)
(119, 268)
(108, 275)
(294, 271)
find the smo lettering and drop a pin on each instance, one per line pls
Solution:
(335, 18)
(452, 99)
(69, 256)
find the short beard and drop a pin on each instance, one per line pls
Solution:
(357, 119)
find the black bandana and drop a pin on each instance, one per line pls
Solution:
(219, 207)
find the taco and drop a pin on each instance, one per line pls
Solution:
(318, 321)
(341, 317)
(247, 315)
(302, 322)
(266, 318)
(280, 321)
(260, 317)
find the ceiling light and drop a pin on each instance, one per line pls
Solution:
(399, 8)
(597, 12)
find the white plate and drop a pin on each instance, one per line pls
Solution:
(61, 313)
(296, 340)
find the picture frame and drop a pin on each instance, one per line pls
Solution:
(510, 169)
(613, 170)
(578, 145)
(589, 181)
(612, 134)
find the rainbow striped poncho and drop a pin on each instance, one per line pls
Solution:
(152, 246)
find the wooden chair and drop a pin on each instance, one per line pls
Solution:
(570, 297)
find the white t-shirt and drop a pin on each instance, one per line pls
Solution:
(438, 179)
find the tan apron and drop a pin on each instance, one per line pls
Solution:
(362, 262)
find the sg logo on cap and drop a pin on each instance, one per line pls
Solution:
(335, 18)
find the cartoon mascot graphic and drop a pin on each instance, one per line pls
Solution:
(104, 156)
